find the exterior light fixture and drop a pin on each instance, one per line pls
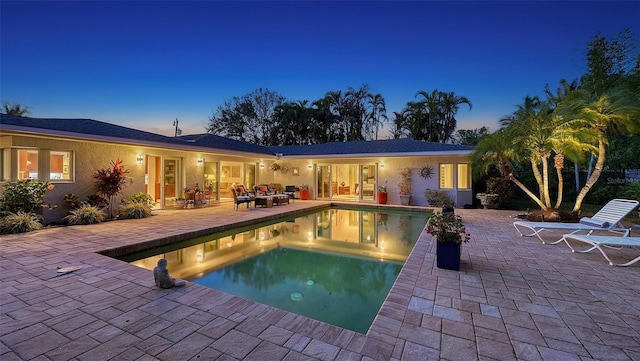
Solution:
(310, 166)
(261, 165)
(200, 161)
(140, 159)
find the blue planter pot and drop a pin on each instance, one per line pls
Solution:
(448, 255)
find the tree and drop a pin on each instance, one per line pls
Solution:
(469, 136)
(618, 110)
(378, 111)
(19, 110)
(449, 107)
(248, 118)
(433, 118)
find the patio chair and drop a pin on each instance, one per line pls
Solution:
(290, 191)
(606, 219)
(598, 242)
(240, 196)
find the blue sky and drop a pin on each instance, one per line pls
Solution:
(143, 63)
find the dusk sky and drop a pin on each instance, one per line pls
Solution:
(143, 64)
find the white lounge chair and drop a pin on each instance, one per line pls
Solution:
(598, 242)
(607, 219)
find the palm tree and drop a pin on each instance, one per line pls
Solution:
(450, 106)
(618, 110)
(19, 110)
(378, 111)
(432, 105)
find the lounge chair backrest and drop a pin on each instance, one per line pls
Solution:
(615, 210)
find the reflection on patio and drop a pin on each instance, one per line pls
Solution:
(383, 236)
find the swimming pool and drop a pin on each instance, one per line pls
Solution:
(336, 265)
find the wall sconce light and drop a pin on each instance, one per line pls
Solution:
(200, 255)
(309, 236)
(200, 161)
(261, 165)
(310, 166)
(381, 165)
(140, 159)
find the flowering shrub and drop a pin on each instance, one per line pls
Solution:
(405, 183)
(447, 227)
(304, 186)
(382, 189)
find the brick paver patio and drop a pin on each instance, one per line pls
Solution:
(514, 299)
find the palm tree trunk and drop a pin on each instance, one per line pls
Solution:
(576, 172)
(560, 187)
(538, 176)
(528, 192)
(594, 176)
(545, 180)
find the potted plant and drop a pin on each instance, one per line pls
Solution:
(450, 233)
(442, 199)
(304, 191)
(486, 198)
(405, 186)
(179, 203)
(197, 194)
(382, 195)
(189, 193)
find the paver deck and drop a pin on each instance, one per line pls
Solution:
(513, 299)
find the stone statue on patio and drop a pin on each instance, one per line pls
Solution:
(162, 278)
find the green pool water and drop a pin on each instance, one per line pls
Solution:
(343, 291)
(336, 265)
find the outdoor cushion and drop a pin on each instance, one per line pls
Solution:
(594, 222)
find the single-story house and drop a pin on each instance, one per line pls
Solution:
(68, 152)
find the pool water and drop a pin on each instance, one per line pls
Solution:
(336, 265)
(343, 291)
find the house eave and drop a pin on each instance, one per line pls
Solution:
(48, 133)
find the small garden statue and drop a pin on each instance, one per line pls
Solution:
(162, 278)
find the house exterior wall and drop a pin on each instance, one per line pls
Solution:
(388, 174)
(89, 156)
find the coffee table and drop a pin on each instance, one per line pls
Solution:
(263, 201)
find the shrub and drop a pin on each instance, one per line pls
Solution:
(111, 181)
(602, 195)
(85, 214)
(134, 210)
(437, 198)
(71, 201)
(140, 197)
(98, 201)
(631, 192)
(20, 222)
(504, 188)
(25, 195)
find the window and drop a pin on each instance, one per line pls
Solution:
(59, 165)
(27, 164)
(464, 180)
(446, 176)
